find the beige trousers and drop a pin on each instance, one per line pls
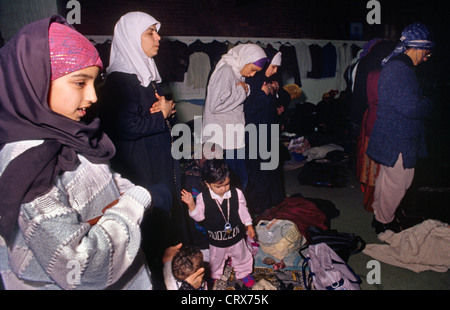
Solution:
(390, 188)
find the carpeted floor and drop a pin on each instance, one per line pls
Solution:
(266, 278)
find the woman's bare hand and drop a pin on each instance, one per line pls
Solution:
(170, 252)
(164, 106)
(244, 85)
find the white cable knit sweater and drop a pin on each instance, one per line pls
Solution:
(55, 248)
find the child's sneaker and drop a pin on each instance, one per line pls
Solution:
(248, 281)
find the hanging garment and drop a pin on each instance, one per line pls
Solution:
(197, 46)
(172, 60)
(329, 60)
(368, 63)
(303, 58)
(289, 66)
(215, 50)
(344, 59)
(198, 70)
(317, 62)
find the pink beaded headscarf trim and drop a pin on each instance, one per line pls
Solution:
(70, 51)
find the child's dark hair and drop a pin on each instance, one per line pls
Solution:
(215, 171)
(187, 261)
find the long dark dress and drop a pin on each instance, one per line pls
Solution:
(264, 188)
(142, 139)
(143, 155)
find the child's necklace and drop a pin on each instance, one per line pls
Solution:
(227, 220)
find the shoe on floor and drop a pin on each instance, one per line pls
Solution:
(381, 227)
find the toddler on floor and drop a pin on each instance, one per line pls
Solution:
(223, 211)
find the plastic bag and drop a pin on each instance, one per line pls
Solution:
(279, 238)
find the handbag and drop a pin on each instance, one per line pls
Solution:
(327, 271)
(343, 244)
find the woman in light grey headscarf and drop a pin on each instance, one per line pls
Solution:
(223, 116)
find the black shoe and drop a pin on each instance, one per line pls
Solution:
(381, 227)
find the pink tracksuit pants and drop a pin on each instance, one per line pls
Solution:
(241, 259)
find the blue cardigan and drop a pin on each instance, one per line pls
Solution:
(400, 124)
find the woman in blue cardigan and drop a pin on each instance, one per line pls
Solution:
(397, 139)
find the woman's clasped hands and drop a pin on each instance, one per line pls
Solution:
(167, 107)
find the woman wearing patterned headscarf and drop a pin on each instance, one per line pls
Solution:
(66, 220)
(397, 138)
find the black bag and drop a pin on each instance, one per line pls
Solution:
(344, 244)
(324, 174)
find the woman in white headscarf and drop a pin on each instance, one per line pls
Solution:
(127, 50)
(223, 116)
(137, 118)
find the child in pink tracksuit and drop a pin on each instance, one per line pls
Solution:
(222, 209)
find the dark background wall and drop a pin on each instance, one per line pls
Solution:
(300, 19)
(316, 19)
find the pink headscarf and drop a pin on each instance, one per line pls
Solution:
(25, 80)
(70, 51)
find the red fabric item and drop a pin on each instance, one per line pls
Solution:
(300, 211)
(372, 101)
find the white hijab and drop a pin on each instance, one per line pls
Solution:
(127, 55)
(239, 56)
(276, 60)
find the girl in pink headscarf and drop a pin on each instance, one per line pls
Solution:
(66, 220)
